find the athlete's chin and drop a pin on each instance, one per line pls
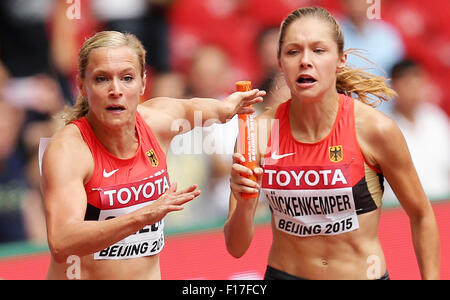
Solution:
(117, 120)
(309, 95)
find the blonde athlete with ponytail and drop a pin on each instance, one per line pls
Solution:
(323, 158)
(104, 175)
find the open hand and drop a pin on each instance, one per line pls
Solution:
(170, 201)
(239, 102)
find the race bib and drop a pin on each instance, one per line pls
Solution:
(123, 199)
(313, 201)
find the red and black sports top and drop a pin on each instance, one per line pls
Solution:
(120, 186)
(319, 188)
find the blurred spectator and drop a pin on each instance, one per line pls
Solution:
(3, 74)
(272, 79)
(68, 29)
(203, 155)
(225, 23)
(12, 183)
(144, 18)
(267, 48)
(25, 54)
(169, 84)
(30, 92)
(38, 94)
(381, 40)
(32, 202)
(24, 46)
(210, 76)
(271, 13)
(23, 37)
(426, 129)
(184, 164)
(426, 34)
(209, 73)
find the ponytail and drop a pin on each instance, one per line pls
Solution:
(79, 110)
(366, 87)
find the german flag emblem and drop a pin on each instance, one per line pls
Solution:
(152, 157)
(336, 154)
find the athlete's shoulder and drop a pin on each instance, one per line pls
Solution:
(372, 122)
(66, 142)
(378, 135)
(161, 104)
(155, 103)
(70, 133)
(160, 110)
(67, 156)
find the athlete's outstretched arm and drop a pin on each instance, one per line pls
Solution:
(67, 164)
(168, 116)
(208, 108)
(393, 158)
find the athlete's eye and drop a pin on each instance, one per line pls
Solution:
(128, 78)
(100, 79)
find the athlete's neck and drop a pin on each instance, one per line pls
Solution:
(121, 141)
(312, 120)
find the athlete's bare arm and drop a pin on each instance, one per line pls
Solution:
(239, 226)
(67, 166)
(168, 116)
(384, 147)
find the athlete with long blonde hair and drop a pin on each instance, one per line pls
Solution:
(323, 158)
(105, 180)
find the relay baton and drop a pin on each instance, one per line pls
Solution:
(247, 138)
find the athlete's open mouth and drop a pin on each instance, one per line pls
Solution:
(306, 79)
(115, 108)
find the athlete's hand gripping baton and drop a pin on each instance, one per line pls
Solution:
(247, 138)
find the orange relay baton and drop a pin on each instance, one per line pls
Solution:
(247, 138)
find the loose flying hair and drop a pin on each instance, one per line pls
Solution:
(109, 39)
(368, 88)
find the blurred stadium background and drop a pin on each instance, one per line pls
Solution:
(197, 48)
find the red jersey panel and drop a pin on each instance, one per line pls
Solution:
(120, 186)
(319, 188)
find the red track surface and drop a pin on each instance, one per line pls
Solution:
(203, 255)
